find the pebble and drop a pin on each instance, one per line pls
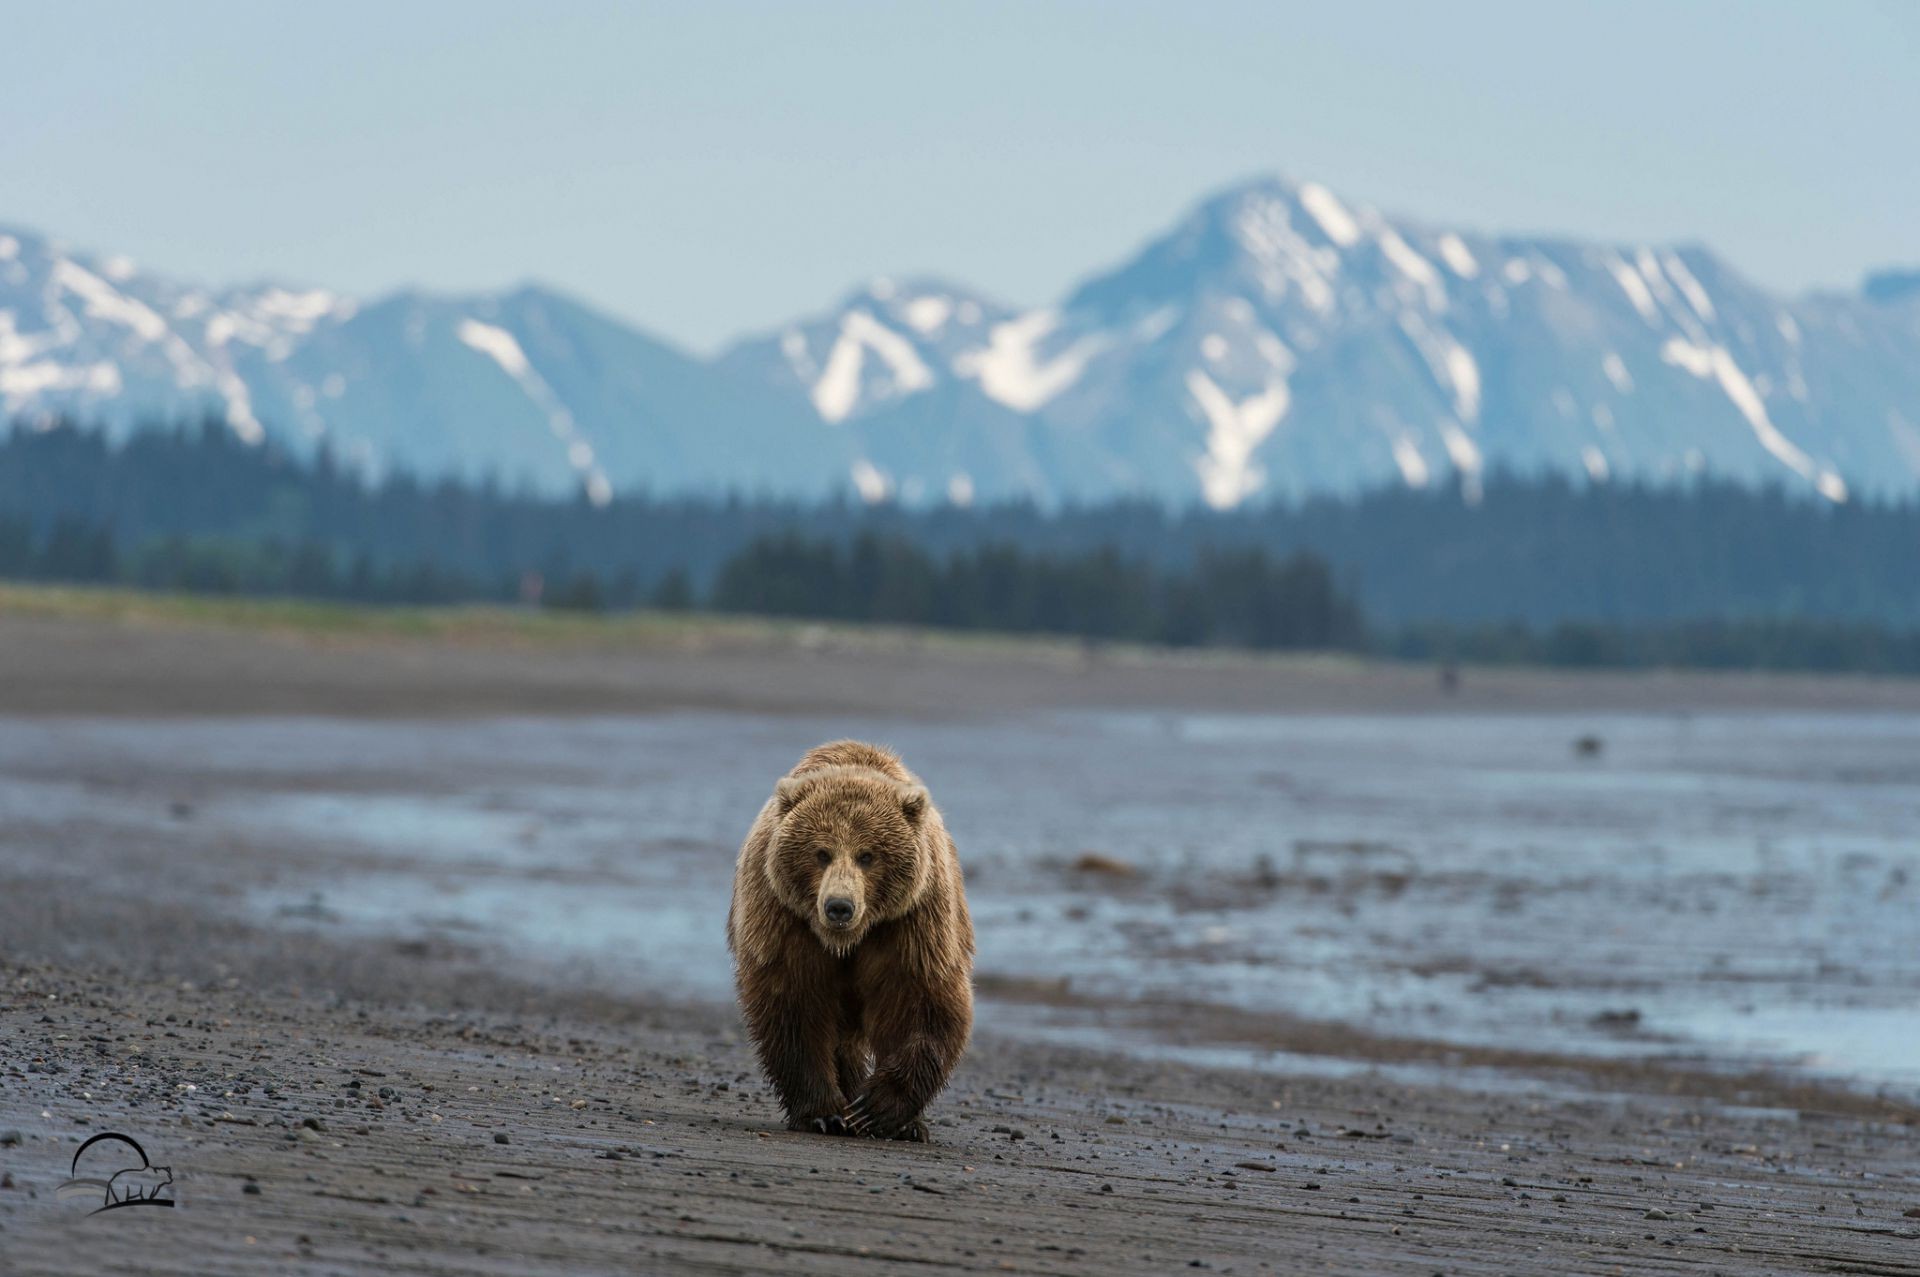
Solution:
(1656, 1213)
(500, 1137)
(9, 1138)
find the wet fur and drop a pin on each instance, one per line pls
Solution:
(857, 1028)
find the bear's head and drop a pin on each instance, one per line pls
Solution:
(846, 852)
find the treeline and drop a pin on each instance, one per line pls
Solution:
(1538, 572)
(1229, 598)
(74, 551)
(1830, 647)
(1537, 552)
(1237, 598)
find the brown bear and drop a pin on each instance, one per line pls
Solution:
(852, 946)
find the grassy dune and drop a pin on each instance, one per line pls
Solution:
(496, 624)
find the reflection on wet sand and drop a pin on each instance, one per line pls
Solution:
(1724, 890)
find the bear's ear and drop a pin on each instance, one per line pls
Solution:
(913, 802)
(788, 793)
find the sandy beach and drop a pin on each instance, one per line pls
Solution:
(336, 1096)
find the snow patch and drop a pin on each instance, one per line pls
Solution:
(1413, 466)
(21, 382)
(960, 489)
(1155, 325)
(9, 248)
(793, 345)
(868, 480)
(498, 345)
(1274, 351)
(1451, 364)
(240, 418)
(300, 311)
(928, 314)
(1326, 209)
(1227, 472)
(1715, 362)
(504, 349)
(1788, 329)
(1596, 463)
(1465, 455)
(1616, 370)
(1466, 380)
(1010, 370)
(18, 349)
(837, 393)
(1414, 267)
(1634, 287)
(1461, 261)
(1284, 258)
(1689, 287)
(1682, 353)
(1214, 347)
(1464, 452)
(104, 301)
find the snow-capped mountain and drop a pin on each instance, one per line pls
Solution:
(521, 386)
(1275, 341)
(1279, 340)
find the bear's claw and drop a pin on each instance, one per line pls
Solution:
(832, 1124)
(860, 1121)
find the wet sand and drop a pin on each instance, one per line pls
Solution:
(137, 993)
(527, 1132)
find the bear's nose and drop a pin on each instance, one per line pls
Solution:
(839, 911)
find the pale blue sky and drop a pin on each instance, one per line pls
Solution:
(707, 169)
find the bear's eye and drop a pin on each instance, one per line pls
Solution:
(824, 857)
(864, 859)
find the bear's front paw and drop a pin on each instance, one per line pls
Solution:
(871, 1116)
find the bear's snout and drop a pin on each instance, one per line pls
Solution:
(838, 910)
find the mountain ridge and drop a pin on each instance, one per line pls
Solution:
(1274, 341)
